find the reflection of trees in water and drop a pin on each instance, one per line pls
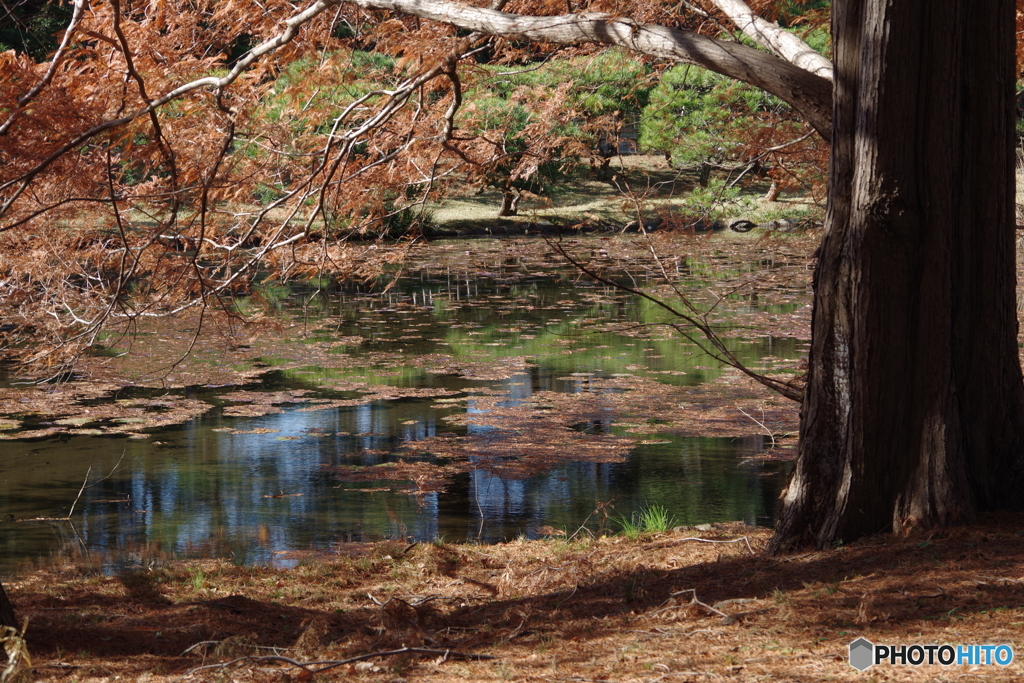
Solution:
(697, 479)
(207, 492)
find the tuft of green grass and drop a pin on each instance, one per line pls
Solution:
(654, 519)
(198, 579)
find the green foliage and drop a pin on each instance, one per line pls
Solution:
(349, 77)
(654, 519)
(264, 193)
(818, 38)
(374, 62)
(304, 103)
(613, 80)
(711, 200)
(33, 26)
(775, 212)
(699, 116)
(791, 11)
(198, 579)
(499, 113)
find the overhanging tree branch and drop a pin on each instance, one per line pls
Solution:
(291, 26)
(344, 156)
(691, 318)
(769, 35)
(808, 93)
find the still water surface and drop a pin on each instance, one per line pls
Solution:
(205, 488)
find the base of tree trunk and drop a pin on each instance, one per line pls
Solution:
(7, 616)
(509, 204)
(704, 174)
(913, 416)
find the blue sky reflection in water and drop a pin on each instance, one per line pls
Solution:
(254, 488)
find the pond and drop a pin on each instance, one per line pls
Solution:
(483, 396)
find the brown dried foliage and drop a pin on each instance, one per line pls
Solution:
(665, 607)
(132, 162)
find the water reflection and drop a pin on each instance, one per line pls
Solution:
(253, 488)
(196, 491)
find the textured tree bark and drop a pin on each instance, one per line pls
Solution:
(7, 617)
(914, 409)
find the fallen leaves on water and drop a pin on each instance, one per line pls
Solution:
(124, 417)
(415, 478)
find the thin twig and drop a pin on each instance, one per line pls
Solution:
(265, 658)
(759, 423)
(583, 527)
(693, 601)
(71, 511)
(84, 482)
(112, 470)
(199, 644)
(721, 352)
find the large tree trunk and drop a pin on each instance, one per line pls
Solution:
(914, 410)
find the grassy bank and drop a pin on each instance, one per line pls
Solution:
(690, 604)
(640, 185)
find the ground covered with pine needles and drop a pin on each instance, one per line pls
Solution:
(693, 604)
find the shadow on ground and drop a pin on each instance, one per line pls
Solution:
(536, 596)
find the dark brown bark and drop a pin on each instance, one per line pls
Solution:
(704, 174)
(7, 617)
(509, 203)
(914, 409)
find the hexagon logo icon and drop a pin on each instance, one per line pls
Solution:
(862, 654)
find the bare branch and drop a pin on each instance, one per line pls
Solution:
(694, 320)
(58, 56)
(292, 26)
(808, 93)
(769, 35)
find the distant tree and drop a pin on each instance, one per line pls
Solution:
(702, 120)
(546, 118)
(693, 115)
